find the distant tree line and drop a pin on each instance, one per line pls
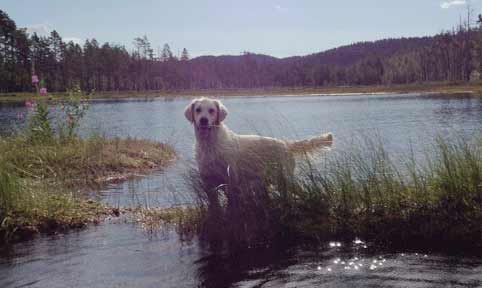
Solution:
(450, 56)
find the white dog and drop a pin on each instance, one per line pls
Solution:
(226, 158)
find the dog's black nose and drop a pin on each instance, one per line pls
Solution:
(203, 121)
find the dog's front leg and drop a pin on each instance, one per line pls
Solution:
(211, 185)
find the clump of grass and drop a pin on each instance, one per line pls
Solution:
(45, 160)
(35, 178)
(183, 219)
(370, 195)
(28, 207)
(76, 161)
(241, 211)
(367, 193)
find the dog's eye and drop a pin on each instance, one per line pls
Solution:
(211, 111)
(198, 110)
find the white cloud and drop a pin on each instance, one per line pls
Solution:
(40, 29)
(45, 29)
(450, 3)
(280, 9)
(73, 39)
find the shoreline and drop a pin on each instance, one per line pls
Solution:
(66, 167)
(423, 88)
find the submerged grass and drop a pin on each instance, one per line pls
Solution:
(434, 203)
(183, 219)
(37, 179)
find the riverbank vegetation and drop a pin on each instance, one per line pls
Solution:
(28, 207)
(45, 166)
(451, 56)
(433, 87)
(363, 193)
(41, 184)
(87, 162)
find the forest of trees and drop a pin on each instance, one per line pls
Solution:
(450, 56)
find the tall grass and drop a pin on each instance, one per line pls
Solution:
(28, 207)
(365, 192)
(36, 178)
(370, 195)
(75, 161)
(40, 165)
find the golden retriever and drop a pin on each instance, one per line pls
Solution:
(226, 158)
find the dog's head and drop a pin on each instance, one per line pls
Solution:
(206, 114)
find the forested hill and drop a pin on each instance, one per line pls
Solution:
(350, 54)
(343, 56)
(450, 56)
(331, 67)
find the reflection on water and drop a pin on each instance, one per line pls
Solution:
(108, 255)
(121, 255)
(353, 268)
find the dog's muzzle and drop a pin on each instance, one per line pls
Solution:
(204, 130)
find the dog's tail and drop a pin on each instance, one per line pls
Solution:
(311, 144)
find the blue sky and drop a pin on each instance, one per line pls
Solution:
(214, 27)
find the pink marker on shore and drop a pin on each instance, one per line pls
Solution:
(43, 91)
(30, 104)
(35, 80)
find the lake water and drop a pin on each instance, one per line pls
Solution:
(123, 255)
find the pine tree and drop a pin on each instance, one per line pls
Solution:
(143, 47)
(7, 48)
(166, 54)
(57, 50)
(184, 55)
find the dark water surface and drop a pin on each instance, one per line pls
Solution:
(122, 255)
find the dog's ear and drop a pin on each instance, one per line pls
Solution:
(222, 111)
(188, 112)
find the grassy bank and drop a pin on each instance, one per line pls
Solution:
(36, 179)
(432, 87)
(90, 161)
(370, 194)
(433, 203)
